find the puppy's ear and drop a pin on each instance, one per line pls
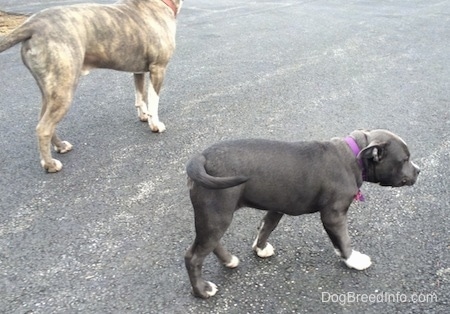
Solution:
(375, 151)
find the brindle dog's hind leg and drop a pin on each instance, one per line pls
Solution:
(56, 75)
(56, 107)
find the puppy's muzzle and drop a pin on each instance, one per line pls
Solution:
(410, 180)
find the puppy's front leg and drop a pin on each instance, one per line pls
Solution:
(335, 224)
(157, 73)
(268, 224)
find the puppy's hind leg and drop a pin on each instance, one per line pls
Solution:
(141, 96)
(268, 224)
(193, 260)
(210, 225)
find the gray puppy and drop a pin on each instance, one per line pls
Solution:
(61, 43)
(287, 178)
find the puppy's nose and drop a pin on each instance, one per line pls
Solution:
(416, 167)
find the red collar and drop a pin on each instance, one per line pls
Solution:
(171, 5)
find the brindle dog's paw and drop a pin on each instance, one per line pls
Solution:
(157, 127)
(66, 147)
(55, 165)
(143, 117)
(358, 261)
(207, 290)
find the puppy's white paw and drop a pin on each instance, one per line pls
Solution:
(358, 261)
(233, 263)
(265, 252)
(213, 290)
(157, 126)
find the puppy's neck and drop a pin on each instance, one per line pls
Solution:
(351, 142)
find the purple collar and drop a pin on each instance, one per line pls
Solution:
(355, 149)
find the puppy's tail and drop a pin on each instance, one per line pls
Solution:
(196, 171)
(20, 34)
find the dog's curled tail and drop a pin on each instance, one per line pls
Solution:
(21, 33)
(196, 171)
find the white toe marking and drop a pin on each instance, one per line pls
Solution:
(156, 125)
(67, 147)
(58, 165)
(213, 289)
(233, 263)
(338, 253)
(266, 252)
(358, 261)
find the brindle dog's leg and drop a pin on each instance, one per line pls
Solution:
(57, 81)
(141, 96)
(157, 73)
(56, 106)
(46, 130)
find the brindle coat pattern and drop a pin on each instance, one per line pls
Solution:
(60, 44)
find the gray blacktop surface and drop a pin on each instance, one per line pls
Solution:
(109, 232)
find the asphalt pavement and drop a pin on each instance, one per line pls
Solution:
(108, 233)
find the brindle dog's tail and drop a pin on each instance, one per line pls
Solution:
(19, 34)
(196, 171)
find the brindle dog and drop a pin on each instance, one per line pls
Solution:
(60, 44)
